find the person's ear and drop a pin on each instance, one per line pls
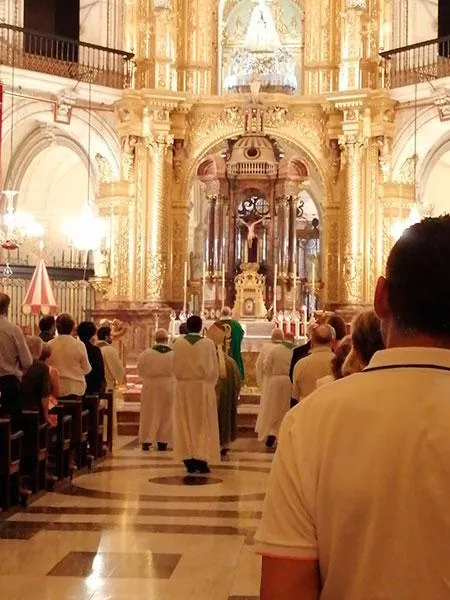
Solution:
(381, 300)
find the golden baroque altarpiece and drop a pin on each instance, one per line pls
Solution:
(341, 124)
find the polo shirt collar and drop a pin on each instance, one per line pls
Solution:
(321, 349)
(410, 357)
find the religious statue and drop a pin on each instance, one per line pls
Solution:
(101, 263)
(104, 168)
(251, 230)
(128, 156)
(262, 35)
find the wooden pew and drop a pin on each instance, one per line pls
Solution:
(34, 452)
(59, 445)
(10, 453)
(96, 414)
(80, 431)
(108, 399)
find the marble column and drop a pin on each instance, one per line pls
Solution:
(211, 219)
(218, 235)
(292, 204)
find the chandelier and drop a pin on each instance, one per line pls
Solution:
(17, 226)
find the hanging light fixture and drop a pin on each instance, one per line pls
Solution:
(16, 226)
(87, 232)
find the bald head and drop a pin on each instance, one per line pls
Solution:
(322, 335)
(161, 336)
(277, 335)
(226, 312)
(289, 337)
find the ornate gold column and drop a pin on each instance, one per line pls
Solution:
(322, 37)
(114, 203)
(196, 23)
(153, 23)
(351, 45)
(352, 204)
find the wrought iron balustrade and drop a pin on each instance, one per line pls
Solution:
(54, 55)
(417, 63)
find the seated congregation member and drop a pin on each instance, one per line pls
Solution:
(114, 369)
(310, 369)
(366, 341)
(36, 388)
(155, 367)
(227, 389)
(337, 363)
(357, 503)
(47, 328)
(278, 390)
(262, 381)
(15, 359)
(54, 382)
(69, 358)
(95, 379)
(195, 421)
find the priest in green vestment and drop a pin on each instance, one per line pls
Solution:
(233, 339)
(227, 389)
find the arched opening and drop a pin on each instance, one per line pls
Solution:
(436, 203)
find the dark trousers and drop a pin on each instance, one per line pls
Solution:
(10, 401)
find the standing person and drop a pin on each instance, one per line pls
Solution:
(357, 504)
(36, 385)
(337, 362)
(366, 340)
(47, 328)
(340, 329)
(227, 389)
(262, 380)
(69, 358)
(233, 340)
(315, 366)
(155, 367)
(195, 422)
(279, 390)
(114, 370)
(96, 378)
(15, 358)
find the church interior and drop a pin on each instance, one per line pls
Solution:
(166, 158)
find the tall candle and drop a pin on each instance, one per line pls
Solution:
(185, 287)
(275, 278)
(313, 285)
(294, 293)
(203, 288)
(223, 285)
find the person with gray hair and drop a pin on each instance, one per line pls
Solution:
(264, 432)
(233, 339)
(315, 366)
(155, 367)
(36, 385)
(15, 359)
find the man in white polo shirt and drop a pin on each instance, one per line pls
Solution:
(358, 500)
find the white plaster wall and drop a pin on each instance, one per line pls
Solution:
(101, 23)
(423, 20)
(437, 182)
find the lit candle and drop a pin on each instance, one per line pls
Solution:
(275, 278)
(185, 287)
(223, 285)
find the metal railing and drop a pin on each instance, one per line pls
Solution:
(73, 297)
(54, 55)
(417, 63)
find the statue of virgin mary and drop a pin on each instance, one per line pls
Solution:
(262, 35)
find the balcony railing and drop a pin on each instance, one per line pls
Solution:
(34, 51)
(417, 63)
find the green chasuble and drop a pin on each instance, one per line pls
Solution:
(162, 348)
(233, 342)
(193, 338)
(227, 391)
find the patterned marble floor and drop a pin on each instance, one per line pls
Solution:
(137, 528)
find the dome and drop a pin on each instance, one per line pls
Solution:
(253, 155)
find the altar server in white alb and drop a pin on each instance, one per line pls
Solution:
(279, 389)
(155, 367)
(195, 419)
(262, 380)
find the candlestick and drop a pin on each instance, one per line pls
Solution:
(313, 285)
(275, 277)
(185, 287)
(294, 293)
(203, 288)
(223, 285)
